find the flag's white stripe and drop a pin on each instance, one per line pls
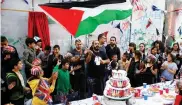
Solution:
(95, 11)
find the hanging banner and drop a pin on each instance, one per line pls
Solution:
(147, 21)
(178, 27)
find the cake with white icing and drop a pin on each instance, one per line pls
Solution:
(118, 86)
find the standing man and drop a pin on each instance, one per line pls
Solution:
(78, 63)
(102, 40)
(112, 49)
(96, 61)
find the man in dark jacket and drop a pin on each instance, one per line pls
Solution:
(112, 49)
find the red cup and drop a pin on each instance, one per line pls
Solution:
(161, 92)
(137, 93)
(167, 90)
(139, 90)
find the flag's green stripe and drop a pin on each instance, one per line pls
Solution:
(88, 25)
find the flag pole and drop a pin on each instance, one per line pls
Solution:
(71, 42)
(130, 29)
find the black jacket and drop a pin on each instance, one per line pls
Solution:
(110, 51)
(52, 61)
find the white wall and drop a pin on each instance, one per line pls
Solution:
(15, 26)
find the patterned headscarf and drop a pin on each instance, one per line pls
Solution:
(8, 49)
(36, 62)
(36, 71)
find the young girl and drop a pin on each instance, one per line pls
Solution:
(134, 69)
(178, 100)
(178, 56)
(151, 70)
(169, 68)
(40, 86)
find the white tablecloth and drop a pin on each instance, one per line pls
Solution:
(154, 100)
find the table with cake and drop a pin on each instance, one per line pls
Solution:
(118, 91)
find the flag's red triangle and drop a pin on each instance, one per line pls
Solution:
(69, 18)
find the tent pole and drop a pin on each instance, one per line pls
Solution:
(130, 29)
(32, 5)
(71, 42)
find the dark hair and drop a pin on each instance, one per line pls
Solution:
(64, 61)
(173, 58)
(56, 46)
(3, 39)
(152, 60)
(14, 62)
(161, 45)
(126, 54)
(100, 36)
(29, 41)
(113, 37)
(113, 64)
(138, 54)
(167, 51)
(39, 40)
(144, 47)
(113, 55)
(77, 40)
(177, 45)
(132, 45)
(47, 48)
(152, 49)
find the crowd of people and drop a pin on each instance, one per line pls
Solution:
(81, 70)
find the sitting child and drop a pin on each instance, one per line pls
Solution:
(40, 86)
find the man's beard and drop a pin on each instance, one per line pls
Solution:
(112, 44)
(96, 48)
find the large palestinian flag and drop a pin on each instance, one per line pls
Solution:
(82, 18)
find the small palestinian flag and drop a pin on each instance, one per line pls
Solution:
(149, 23)
(83, 18)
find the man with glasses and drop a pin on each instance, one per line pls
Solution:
(112, 49)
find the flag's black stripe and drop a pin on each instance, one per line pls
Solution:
(86, 4)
